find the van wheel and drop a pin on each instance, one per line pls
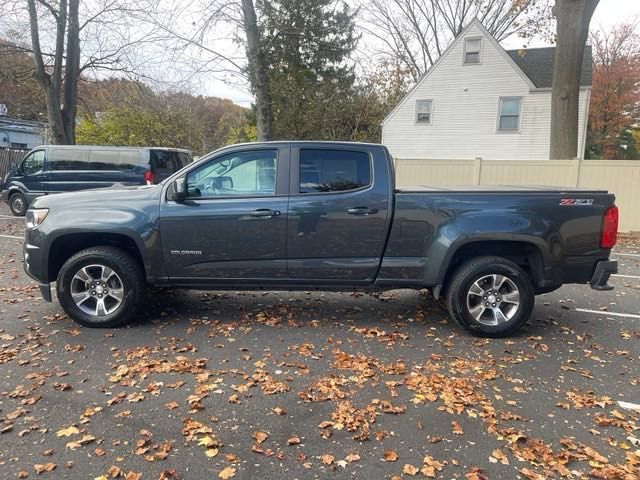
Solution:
(101, 287)
(490, 296)
(18, 204)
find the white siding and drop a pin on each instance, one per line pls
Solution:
(465, 109)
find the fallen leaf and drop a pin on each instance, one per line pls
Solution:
(327, 459)
(390, 456)
(67, 432)
(457, 429)
(211, 452)
(260, 437)
(352, 457)
(410, 469)
(294, 441)
(46, 467)
(228, 472)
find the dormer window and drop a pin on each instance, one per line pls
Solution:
(472, 48)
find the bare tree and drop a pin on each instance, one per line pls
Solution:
(573, 18)
(52, 82)
(68, 40)
(209, 47)
(418, 31)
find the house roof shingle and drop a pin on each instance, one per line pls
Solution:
(537, 64)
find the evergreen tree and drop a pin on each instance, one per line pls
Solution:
(308, 44)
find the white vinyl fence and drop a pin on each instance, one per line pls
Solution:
(621, 177)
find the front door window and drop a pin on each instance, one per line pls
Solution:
(244, 174)
(34, 163)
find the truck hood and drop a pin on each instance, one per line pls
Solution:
(105, 197)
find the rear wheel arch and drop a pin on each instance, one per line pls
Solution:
(65, 246)
(527, 255)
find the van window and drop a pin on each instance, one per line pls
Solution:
(68, 159)
(185, 159)
(34, 163)
(333, 170)
(122, 160)
(163, 162)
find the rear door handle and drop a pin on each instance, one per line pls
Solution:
(363, 211)
(265, 213)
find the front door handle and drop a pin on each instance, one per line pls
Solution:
(362, 211)
(265, 213)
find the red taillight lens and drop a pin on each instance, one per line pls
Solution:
(148, 178)
(609, 233)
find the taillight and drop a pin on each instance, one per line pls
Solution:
(609, 233)
(148, 177)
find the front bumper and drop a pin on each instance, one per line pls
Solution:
(604, 269)
(34, 267)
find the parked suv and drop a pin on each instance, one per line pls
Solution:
(55, 169)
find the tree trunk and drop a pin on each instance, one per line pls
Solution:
(61, 91)
(71, 74)
(573, 18)
(257, 72)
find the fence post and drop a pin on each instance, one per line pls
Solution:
(579, 173)
(477, 171)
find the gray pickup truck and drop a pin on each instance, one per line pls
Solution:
(318, 215)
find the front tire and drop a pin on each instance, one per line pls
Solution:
(18, 204)
(490, 296)
(101, 287)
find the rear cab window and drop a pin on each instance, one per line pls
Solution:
(330, 171)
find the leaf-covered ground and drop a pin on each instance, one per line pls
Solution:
(317, 385)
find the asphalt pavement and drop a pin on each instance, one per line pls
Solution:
(307, 385)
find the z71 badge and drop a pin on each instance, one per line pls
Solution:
(576, 201)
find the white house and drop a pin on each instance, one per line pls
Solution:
(481, 101)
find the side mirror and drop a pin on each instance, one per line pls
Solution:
(178, 192)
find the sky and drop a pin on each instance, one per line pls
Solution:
(607, 14)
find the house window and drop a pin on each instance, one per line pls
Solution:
(509, 114)
(423, 111)
(472, 47)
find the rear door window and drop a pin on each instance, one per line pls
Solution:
(326, 171)
(68, 159)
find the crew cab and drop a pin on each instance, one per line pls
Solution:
(318, 215)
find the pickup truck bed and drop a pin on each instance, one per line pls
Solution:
(300, 215)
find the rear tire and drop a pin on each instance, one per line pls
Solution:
(490, 296)
(101, 287)
(18, 204)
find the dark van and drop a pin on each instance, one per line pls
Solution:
(56, 168)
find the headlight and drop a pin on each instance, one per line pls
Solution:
(36, 216)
